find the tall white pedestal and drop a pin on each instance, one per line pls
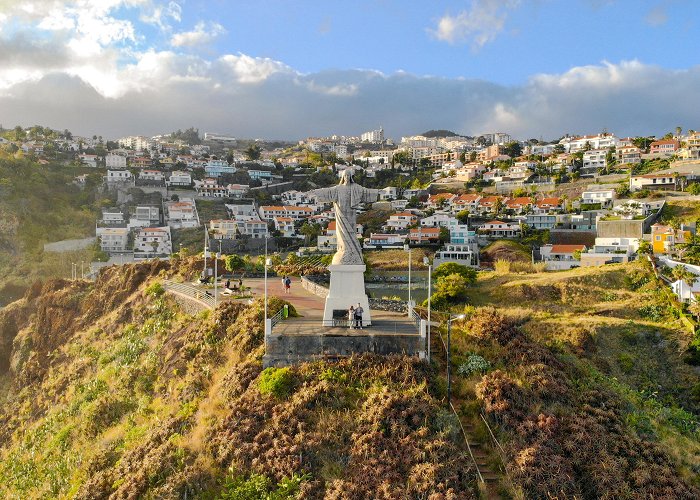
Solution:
(347, 289)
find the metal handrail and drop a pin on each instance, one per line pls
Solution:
(415, 317)
(190, 291)
(276, 318)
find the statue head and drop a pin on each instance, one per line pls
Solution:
(347, 177)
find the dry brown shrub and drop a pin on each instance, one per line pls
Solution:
(488, 324)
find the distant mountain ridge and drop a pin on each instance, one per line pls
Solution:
(441, 133)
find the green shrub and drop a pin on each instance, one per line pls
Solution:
(626, 362)
(276, 381)
(473, 364)
(654, 312)
(155, 289)
(260, 487)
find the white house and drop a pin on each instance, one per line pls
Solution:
(112, 217)
(594, 160)
(604, 197)
(119, 176)
(152, 242)
(400, 221)
(285, 225)
(388, 193)
(560, 257)
(466, 254)
(115, 161)
(499, 229)
(88, 160)
(151, 175)
(380, 240)
(237, 190)
(217, 167)
(439, 220)
(237, 211)
(144, 216)
(179, 178)
(113, 239)
(652, 181)
(182, 214)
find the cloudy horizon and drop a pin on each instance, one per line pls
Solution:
(126, 67)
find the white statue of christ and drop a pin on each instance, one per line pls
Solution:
(346, 197)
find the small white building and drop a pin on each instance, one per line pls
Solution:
(285, 225)
(119, 176)
(151, 175)
(594, 160)
(381, 240)
(652, 181)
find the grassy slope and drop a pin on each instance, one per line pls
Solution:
(583, 348)
(506, 250)
(39, 204)
(117, 392)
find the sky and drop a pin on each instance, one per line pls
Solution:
(285, 69)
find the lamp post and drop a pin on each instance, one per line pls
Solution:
(408, 247)
(216, 273)
(266, 264)
(426, 261)
(449, 339)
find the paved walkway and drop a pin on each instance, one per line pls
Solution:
(311, 306)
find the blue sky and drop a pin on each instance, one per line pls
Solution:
(288, 69)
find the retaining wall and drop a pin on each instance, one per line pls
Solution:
(284, 350)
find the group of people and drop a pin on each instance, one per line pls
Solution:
(287, 284)
(235, 287)
(355, 316)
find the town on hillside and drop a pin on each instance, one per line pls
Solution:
(583, 200)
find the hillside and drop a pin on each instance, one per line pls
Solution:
(110, 389)
(586, 383)
(40, 204)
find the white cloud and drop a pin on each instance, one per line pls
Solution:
(480, 24)
(248, 70)
(202, 34)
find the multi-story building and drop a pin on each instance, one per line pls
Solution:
(119, 177)
(144, 216)
(226, 229)
(255, 228)
(629, 155)
(664, 238)
(113, 239)
(216, 168)
(594, 160)
(373, 136)
(151, 175)
(560, 257)
(179, 178)
(466, 254)
(269, 212)
(112, 217)
(182, 214)
(600, 141)
(603, 197)
(115, 161)
(285, 225)
(152, 242)
(210, 188)
(664, 148)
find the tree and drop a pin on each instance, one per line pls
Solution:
(234, 262)
(694, 188)
(472, 156)
(682, 273)
(310, 232)
(498, 206)
(444, 234)
(448, 268)
(253, 152)
(463, 216)
(513, 149)
(559, 149)
(644, 248)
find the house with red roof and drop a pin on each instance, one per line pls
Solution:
(466, 202)
(549, 206)
(487, 204)
(400, 221)
(560, 257)
(424, 235)
(518, 205)
(441, 200)
(664, 148)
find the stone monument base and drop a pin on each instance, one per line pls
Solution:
(347, 289)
